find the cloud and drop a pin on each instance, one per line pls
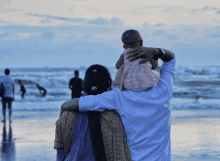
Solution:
(3, 35)
(48, 35)
(218, 12)
(55, 17)
(216, 35)
(23, 35)
(167, 10)
(99, 21)
(104, 21)
(205, 8)
(160, 24)
(159, 32)
(5, 7)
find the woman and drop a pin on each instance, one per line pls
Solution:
(91, 136)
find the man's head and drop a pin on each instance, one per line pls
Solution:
(7, 71)
(76, 73)
(19, 82)
(131, 37)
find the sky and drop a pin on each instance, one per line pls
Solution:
(75, 33)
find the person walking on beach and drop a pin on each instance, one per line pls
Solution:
(145, 115)
(8, 96)
(22, 89)
(41, 89)
(75, 84)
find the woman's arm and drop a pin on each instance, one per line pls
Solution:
(120, 62)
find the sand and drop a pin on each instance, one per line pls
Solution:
(195, 135)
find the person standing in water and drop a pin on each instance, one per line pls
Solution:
(75, 85)
(23, 91)
(41, 89)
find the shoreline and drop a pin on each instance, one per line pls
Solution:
(195, 135)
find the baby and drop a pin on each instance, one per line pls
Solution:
(132, 75)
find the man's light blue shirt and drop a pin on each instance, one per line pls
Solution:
(146, 115)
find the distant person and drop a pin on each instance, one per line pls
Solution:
(8, 96)
(41, 89)
(22, 90)
(75, 85)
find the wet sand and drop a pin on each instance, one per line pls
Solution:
(33, 136)
(195, 135)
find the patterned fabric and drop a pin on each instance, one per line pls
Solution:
(113, 134)
(132, 75)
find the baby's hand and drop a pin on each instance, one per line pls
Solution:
(154, 63)
(120, 62)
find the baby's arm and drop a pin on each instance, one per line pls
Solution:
(120, 62)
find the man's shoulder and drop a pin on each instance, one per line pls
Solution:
(6, 79)
(71, 79)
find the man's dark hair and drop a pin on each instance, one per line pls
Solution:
(7, 71)
(76, 73)
(131, 37)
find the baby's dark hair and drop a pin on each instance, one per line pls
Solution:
(131, 38)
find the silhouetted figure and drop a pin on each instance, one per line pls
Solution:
(8, 96)
(75, 85)
(41, 89)
(23, 91)
(8, 145)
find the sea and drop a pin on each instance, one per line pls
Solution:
(193, 88)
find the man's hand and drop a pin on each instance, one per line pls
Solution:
(72, 104)
(145, 53)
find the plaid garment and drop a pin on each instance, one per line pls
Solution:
(113, 134)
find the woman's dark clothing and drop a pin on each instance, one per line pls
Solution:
(23, 91)
(81, 142)
(76, 87)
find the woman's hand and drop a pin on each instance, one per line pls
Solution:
(72, 104)
(146, 54)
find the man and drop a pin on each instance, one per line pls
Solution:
(75, 85)
(146, 115)
(8, 96)
(41, 89)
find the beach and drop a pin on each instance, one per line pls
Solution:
(195, 135)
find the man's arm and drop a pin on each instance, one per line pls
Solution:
(120, 62)
(169, 55)
(101, 102)
(146, 54)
